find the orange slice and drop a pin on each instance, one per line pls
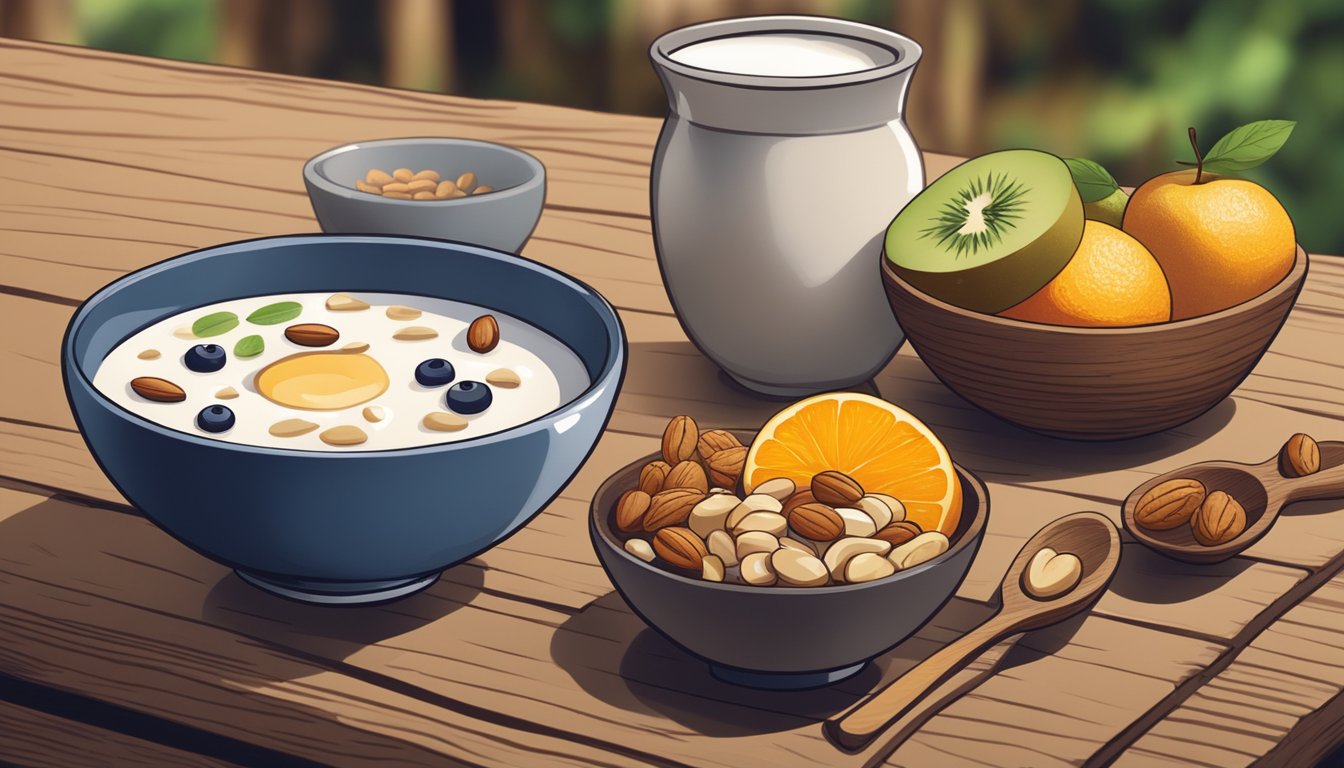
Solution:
(878, 444)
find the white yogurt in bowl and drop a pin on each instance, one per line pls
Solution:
(324, 372)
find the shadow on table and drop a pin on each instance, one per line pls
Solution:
(1147, 577)
(336, 631)
(615, 657)
(676, 375)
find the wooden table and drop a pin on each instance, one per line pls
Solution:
(119, 646)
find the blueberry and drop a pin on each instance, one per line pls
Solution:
(435, 372)
(215, 418)
(469, 397)
(205, 358)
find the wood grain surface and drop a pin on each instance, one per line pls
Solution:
(525, 655)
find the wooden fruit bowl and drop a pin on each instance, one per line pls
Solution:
(1092, 383)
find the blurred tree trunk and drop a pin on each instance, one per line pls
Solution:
(53, 21)
(418, 44)
(277, 37)
(946, 99)
(531, 57)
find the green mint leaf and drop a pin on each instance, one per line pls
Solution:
(272, 314)
(214, 324)
(249, 346)
(1094, 182)
(1248, 146)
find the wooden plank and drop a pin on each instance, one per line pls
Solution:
(1280, 701)
(191, 640)
(40, 740)
(1080, 695)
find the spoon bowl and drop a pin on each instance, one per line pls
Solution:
(1261, 489)
(1089, 536)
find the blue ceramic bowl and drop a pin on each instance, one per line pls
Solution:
(353, 526)
(502, 219)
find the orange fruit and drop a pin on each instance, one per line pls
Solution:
(878, 444)
(1221, 242)
(1111, 280)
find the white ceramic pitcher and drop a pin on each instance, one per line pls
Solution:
(782, 161)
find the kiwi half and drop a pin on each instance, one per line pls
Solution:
(990, 232)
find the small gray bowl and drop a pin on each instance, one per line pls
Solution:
(502, 219)
(785, 638)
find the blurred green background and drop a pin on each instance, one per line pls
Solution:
(1115, 80)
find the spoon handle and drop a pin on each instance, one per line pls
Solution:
(1328, 483)
(855, 728)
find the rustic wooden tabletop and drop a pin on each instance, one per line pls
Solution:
(119, 646)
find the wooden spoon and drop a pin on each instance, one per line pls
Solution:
(1089, 535)
(1260, 489)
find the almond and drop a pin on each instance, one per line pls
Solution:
(798, 569)
(1218, 520)
(680, 547)
(711, 568)
(158, 390)
(1170, 504)
(415, 333)
(838, 555)
(868, 566)
(772, 523)
(920, 549)
(798, 498)
(836, 489)
(344, 302)
(687, 474)
(344, 435)
(857, 522)
(680, 439)
(711, 513)
(483, 334)
(503, 377)
(779, 487)
(292, 427)
(716, 440)
(898, 533)
(725, 465)
(653, 476)
(312, 334)
(671, 507)
(630, 509)
(443, 421)
(752, 542)
(817, 522)
(1301, 456)
(639, 548)
(722, 546)
(400, 312)
(756, 569)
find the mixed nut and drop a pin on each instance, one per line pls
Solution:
(685, 514)
(405, 184)
(1216, 517)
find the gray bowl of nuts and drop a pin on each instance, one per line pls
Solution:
(783, 587)
(451, 189)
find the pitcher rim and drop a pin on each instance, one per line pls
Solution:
(906, 52)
